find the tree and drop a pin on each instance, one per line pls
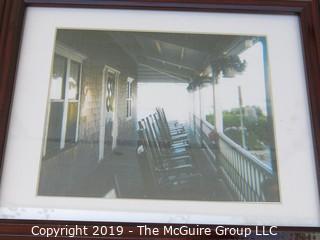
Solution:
(258, 135)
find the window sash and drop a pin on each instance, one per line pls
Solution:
(129, 99)
(66, 99)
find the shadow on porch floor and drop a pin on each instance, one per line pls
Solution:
(118, 176)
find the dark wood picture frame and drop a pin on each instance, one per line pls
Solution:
(12, 14)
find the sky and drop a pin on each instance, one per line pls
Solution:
(174, 97)
(251, 81)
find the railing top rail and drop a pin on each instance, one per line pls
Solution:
(208, 125)
(238, 148)
(205, 122)
(246, 154)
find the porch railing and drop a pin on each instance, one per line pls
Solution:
(243, 172)
(202, 132)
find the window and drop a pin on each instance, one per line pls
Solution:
(58, 76)
(129, 97)
(63, 108)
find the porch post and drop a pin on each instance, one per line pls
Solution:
(193, 114)
(200, 117)
(268, 101)
(218, 115)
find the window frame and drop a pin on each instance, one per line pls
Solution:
(129, 98)
(70, 55)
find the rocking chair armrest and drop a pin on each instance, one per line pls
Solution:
(179, 179)
(178, 164)
(180, 150)
(175, 168)
(177, 130)
(178, 136)
(185, 157)
(178, 139)
(175, 154)
(181, 141)
(182, 146)
(176, 133)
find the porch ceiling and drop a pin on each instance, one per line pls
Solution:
(181, 55)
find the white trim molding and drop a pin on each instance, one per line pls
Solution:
(67, 52)
(103, 111)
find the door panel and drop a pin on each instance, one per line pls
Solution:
(71, 123)
(110, 86)
(54, 128)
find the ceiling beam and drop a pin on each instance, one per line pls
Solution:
(180, 43)
(165, 73)
(163, 68)
(182, 53)
(178, 65)
(122, 42)
(140, 51)
(158, 46)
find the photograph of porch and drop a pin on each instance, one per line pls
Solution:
(157, 115)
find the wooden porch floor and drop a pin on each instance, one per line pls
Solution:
(120, 173)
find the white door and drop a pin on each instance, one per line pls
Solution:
(109, 119)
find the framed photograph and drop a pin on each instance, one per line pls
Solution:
(165, 112)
